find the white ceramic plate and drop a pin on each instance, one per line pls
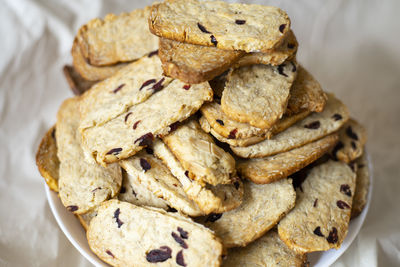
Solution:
(71, 227)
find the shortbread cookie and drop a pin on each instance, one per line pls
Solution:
(135, 191)
(210, 199)
(47, 160)
(258, 94)
(132, 85)
(86, 218)
(312, 128)
(123, 234)
(82, 185)
(268, 251)
(195, 63)
(198, 153)
(306, 94)
(150, 171)
(287, 50)
(352, 139)
(75, 81)
(117, 38)
(270, 169)
(90, 72)
(362, 185)
(129, 132)
(320, 219)
(262, 208)
(252, 28)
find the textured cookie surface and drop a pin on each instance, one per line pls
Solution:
(362, 185)
(268, 251)
(272, 168)
(129, 132)
(321, 216)
(198, 153)
(352, 138)
(262, 208)
(312, 128)
(252, 28)
(117, 38)
(82, 185)
(258, 94)
(210, 199)
(47, 160)
(76, 82)
(194, 63)
(123, 234)
(158, 179)
(90, 72)
(86, 218)
(306, 94)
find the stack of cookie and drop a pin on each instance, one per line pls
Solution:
(194, 130)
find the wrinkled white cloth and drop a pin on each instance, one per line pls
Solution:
(351, 46)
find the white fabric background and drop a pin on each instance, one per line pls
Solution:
(351, 46)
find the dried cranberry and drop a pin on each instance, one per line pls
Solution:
(145, 164)
(213, 217)
(149, 150)
(145, 140)
(240, 21)
(232, 134)
(179, 240)
(136, 124)
(202, 28)
(179, 258)
(114, 151)
(317, 231)
(342, 205)
(146, 83)
(118, 88)
(187, 174)
(183, 233)
(282, 27)
(158, 86)
(315, 202)
(213, 40)
(186, 86)
(345, 189)
(351, 134)
(313, 125)
(159, 255)
(333, 236)
(155, 52)
(109, 253)
(280, 70)
(127, 116)
(72, 208)
(220, 122)
(337, 117)
(116, 216)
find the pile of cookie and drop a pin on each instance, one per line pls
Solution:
(197, 139)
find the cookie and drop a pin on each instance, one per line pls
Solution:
(82, 185)
(132, 85)
(90, 72)
(135, 191)
(198, 154)
(117, 38)
(170, 239)
(210, 199)
(362, 186)
(258, 94)
(131, 131)
(352, 138)
(147, 169)
(195, 63)
(75, 81)
(321, 216)
(268, 251)
(47, 160)
(306, 94)
(312, 128)
(286, 51)
(86, 218)
(262, 208)
(252, 28)
(270, 169)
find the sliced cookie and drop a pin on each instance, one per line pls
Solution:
(195, 63)
(134, 129)
(321, 216)
(82, 185)
(362, 186)
(198, 153)
(47, 160)
(90, 72)
(268, 250)
(117, 38)
(352, 138)
(287, 50)
(150, 171)
(258, 94)
(262, 208)
(123, 234)
(312, 128)
(210, 199)
(270, 169)
(252, 28)
(306, 94)
(76, 82)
